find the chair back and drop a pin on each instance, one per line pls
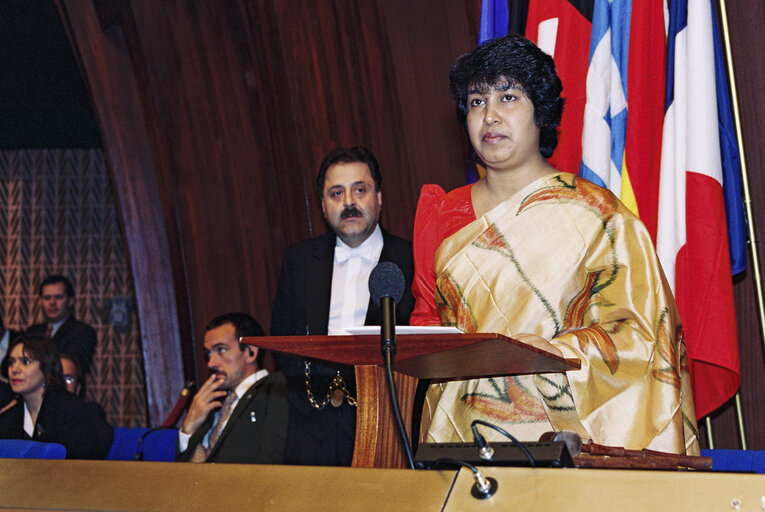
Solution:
(24, 449)
(141, 443)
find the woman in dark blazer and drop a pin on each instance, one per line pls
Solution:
(44, 411)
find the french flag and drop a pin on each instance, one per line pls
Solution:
(692, 237)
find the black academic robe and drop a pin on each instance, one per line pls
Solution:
(324, 437)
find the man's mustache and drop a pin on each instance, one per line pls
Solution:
(351, 211)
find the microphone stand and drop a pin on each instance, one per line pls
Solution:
(388, 343)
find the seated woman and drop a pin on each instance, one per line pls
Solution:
(550, 259)
(44, 410)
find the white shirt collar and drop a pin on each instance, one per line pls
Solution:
(369, 249)
(248, 381)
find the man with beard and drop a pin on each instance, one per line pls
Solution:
(239, 415)
(323, 288)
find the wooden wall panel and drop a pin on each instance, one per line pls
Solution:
(127, 146)
(241, 102)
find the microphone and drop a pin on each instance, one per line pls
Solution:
(386, 287)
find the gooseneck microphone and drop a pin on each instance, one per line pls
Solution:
(386, 287)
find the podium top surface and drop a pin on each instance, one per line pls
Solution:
(426, 356)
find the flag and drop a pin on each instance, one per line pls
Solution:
(731, 165)
(605, 112)
(650, 134)
(646, 79)
(692, 238)
(561, 28)
(494, 20)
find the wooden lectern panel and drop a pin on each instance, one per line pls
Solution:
(418, 356)
(426, 356)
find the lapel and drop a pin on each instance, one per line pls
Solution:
(387, 254)
(241, 406)
(49, 403)
(318, 283)
(64, 329)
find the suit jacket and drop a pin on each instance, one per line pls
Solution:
(75, 338)
(256, 430)
(305, 284)
(326, 436)
(63, 418)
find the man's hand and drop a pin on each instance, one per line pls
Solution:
(208, 397)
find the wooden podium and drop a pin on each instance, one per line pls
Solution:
(418, 356)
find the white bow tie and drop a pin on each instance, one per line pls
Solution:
(343, 253)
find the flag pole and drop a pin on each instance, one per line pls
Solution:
(747, 198)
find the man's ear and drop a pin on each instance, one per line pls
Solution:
(252, 354)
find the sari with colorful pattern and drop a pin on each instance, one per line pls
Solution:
(565, 260)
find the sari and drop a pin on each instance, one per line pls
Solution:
(562, 259)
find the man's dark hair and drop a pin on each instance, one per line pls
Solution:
(349, 156)
(77, 370)
(57, 278)
(43, 350)
(245, 327)
(522, 64)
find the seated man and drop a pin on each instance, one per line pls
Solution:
(73, 379)
(239, 415)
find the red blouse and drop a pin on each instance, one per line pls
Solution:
(439, 216)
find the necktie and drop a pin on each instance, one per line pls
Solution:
(201, 453)
(49, 331)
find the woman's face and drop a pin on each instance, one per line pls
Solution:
(24, 373)
(500, 121)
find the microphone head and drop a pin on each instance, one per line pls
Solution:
(386, 280)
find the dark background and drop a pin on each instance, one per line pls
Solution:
(213, 117)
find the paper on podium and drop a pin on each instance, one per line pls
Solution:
(404, 329)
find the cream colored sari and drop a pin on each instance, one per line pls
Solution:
(565, 260)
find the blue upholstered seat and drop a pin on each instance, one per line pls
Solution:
(23, 449)
(746, 461)
(140, 443)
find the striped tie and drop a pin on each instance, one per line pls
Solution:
(201, 453)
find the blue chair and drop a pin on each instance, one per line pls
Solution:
(744, 461)
(23, 449)
(141, 443)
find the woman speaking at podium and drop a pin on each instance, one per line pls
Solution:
(550, 259)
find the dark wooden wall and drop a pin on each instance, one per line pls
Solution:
(745, 21)
(216, 114)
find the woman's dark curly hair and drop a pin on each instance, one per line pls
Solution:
(43, 350)
(520, 62)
